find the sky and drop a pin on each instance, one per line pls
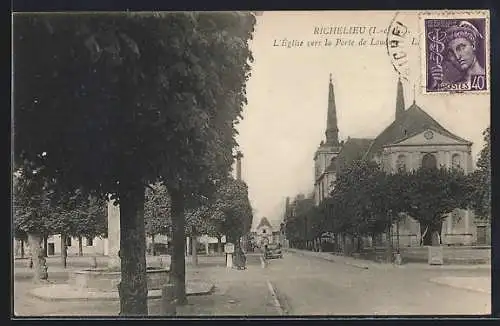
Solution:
(285, 118)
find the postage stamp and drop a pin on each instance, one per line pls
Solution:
(455, 52)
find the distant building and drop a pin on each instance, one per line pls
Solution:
(265, 233)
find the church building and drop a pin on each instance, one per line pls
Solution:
(412, 140)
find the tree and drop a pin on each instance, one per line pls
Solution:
(197, 223)
(99, 99)
(297, 226)
(232, 200)
(430, 194)
(365, 201)
(228, 213)
(480, 181)
(157, 212)
(92, 220)
(31, 213)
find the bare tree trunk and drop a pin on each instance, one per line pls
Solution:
(389, 245)
(38, 259)
(219, 244)
(64, 250)
(45, 243)
(133, 286)
(153, 247)
(194, 247)
(22, 248)
(80, 246)
(178, 268)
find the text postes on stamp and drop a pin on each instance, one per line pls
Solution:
(455, 57)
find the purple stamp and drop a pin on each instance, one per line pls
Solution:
(455, 54)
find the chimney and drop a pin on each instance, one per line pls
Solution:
(400, 100)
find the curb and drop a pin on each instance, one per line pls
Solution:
(426, 267)
(263, 263)
(357, 265)
(107, 296)
(276, 301)
(441, 282)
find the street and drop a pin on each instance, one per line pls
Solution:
(302, 284)
(312, 286)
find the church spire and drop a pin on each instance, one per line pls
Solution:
(400, 100)
(332, 131)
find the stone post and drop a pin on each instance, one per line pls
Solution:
(113, 235)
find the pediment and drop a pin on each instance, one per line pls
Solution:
(430, 137)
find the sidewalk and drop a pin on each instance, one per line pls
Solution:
(367, 264)
(236, 292)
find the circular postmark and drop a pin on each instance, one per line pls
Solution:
(397, 46)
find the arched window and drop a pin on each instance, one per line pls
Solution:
(401, 163)
(429, 161)
(455, 161)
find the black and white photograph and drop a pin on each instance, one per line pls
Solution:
(250, 164)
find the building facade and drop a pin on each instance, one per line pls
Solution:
(265, 233)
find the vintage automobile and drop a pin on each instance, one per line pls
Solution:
(273, 251)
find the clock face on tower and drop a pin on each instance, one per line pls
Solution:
(428, 135)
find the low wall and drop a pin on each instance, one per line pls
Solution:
(451, 255)
(104, 280)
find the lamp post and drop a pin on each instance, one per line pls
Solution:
(389, 237)
(398, 259)
(397, 235)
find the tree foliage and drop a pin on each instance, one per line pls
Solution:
(364, 200)
(157, 207)
(104, 97)
(431, 194)
(32, 205)
(481, 180)
(297, 227)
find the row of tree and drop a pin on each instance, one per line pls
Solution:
(120, 101)
(38, 207)
(228, 213)
(40, 210)
(366, 201)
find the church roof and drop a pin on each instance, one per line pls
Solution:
(264, 221)
(411, 122)
(352, 149)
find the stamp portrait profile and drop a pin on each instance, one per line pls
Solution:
(455, 52)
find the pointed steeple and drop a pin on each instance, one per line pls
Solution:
(332, 131)
(400, 100)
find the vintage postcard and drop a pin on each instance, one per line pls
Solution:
(263, 163)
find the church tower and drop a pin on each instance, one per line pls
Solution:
(324, 158)
(332, 131)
